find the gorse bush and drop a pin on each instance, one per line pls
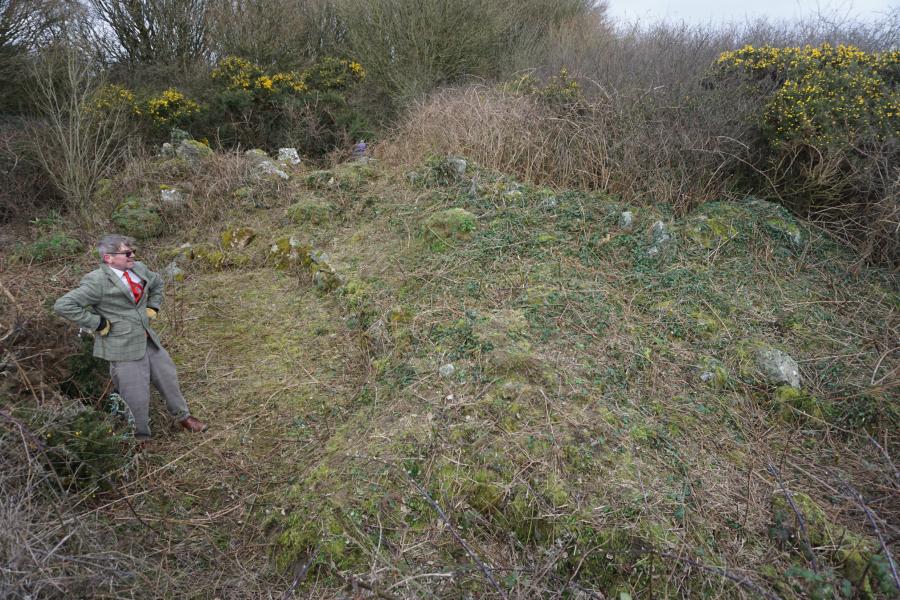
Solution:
(244, 104)
(827, 132)
(825, 96)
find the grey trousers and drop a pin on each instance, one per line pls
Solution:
(133, 377)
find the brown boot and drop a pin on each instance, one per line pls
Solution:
(194, 425)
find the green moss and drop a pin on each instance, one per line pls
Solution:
(795, 405)
(714, 373)
(441, 229)
(137, 218)
(852, 553)
(484, 494)
(288, 252)
(210, 256)
(310, 211)
(235, 238)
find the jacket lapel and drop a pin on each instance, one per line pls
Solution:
(117, 281)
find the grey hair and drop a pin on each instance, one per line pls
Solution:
(112, 242)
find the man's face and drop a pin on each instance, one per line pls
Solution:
(122, 259)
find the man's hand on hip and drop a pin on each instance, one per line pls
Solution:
(151, 313)
(104, 327)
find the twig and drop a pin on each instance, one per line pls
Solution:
(742, 581)
(886, 456)
(356, 582)
(857, 497)
(812, 558)
(301, 573)
(472, 554)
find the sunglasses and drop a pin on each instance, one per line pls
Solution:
(128, 254)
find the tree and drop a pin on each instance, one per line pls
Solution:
(76, 141)
(154, 32)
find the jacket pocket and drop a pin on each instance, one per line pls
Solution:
(118, 328)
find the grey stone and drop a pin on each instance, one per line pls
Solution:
(288, 155)
(778, 367)
(447, 370)
(171, 197)
(626, 220)
(167, 150)
(192, 151)
(458, 165)
(267, 167)
(661, 238)
(173, 272)
(256, 155)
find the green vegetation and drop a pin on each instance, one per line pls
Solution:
(563, 335)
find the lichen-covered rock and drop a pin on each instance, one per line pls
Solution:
(288, 252)
(289, 156)
(171, 197)
(137, 218)
(256, 155)
(236, 238)
(778, 221)
(458, 165)
(269, 168)
(626, 220)
(173, 272)
(713, 373)
(452, 224)
(777, 367)
(167, 150)
(661, 238)
(192, 151)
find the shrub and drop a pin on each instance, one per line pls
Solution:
(309, 110)
(827, 132)
(84, 450)
(137, 218)
(51, 246)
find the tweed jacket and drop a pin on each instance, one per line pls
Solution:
(102, 293)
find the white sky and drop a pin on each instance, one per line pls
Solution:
(730, 11)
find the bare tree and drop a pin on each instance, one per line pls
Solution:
(75, 142)
(154, 32)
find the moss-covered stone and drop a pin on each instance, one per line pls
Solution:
(236, 238)
(210, 256)
(442, 229)
(310, 211)
(852, 552)
(137, 218)
(288, 252)
(794, 405)
(192, 151)
(713, 372)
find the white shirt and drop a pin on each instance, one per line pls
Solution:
(132, 274)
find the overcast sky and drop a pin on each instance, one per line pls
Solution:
(717, 12)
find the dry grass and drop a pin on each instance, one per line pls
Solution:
(614, 144)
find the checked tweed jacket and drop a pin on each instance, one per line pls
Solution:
(101, 292)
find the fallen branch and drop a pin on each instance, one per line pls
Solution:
(812, 557)
(858, 498)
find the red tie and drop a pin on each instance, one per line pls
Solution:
(136, 288)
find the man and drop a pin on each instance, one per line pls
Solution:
(117, 302)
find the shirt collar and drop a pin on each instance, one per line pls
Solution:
(121, 274)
